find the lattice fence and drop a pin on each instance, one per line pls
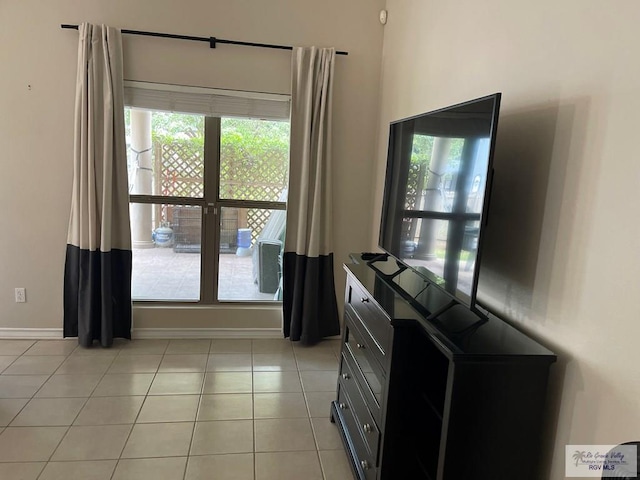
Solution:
(414, 187)
(244, 176)
(256, 220)
(179, 169)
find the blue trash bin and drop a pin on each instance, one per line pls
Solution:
(244, 242)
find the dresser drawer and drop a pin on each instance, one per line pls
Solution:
(365, 367)
(367, 426)
(365, 463)
(372, 317)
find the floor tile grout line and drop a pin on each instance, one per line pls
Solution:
(135, 420)
(253, 417)
(43, 383)
(306, 397)
(14, 360)
(29, 400)
(19, 412)
(195, 420)
(53, 452)
(253, 420)
(34, 395)
(193, 429)
(96, 385)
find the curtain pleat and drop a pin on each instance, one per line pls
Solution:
(97, 275)
(309, 300)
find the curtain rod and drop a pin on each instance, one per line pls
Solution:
(212, 41)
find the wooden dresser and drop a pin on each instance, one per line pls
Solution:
(450, 396)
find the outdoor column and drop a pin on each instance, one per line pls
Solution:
(141, 213)
(432, 200)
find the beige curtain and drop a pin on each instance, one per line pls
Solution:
(97, 283)
(309, 300)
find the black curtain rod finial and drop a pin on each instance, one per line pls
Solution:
(212, 42)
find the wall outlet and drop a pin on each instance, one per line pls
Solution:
(21, 295)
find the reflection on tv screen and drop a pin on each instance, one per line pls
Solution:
(437, 177)
(437, 190)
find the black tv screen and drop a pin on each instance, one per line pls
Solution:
(437, 185)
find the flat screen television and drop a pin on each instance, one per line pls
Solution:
(437, 186)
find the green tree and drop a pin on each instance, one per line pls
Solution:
(254, 151)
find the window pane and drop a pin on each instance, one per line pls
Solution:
(254, 159)
(165, 154)
(251, 241)
(166, 251)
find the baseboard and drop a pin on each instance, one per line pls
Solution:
(177, 333)
(148, 333)
(36, 333)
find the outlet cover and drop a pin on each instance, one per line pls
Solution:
(21, 295)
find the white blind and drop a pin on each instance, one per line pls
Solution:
(207, 101)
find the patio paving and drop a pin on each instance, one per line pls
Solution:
(160, 274)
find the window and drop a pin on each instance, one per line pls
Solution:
(207, 193)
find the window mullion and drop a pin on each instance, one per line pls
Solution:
(252, 204)
(167, 199)
(211, 222)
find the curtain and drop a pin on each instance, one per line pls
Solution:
(309, 299)
(97, 274)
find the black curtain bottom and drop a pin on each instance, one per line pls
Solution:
(97, 295)
(309, 298)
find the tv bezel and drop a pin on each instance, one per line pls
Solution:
(459, 296)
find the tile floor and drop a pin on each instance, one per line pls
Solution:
(169, 409)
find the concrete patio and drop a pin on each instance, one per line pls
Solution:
(160, 274)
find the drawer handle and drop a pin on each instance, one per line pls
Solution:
(365, 465)
(364, 300)
(346, 376)
(360, 345)
(367, 428)
(343, 406)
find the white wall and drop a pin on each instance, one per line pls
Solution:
(37, 83)
(562, 259)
